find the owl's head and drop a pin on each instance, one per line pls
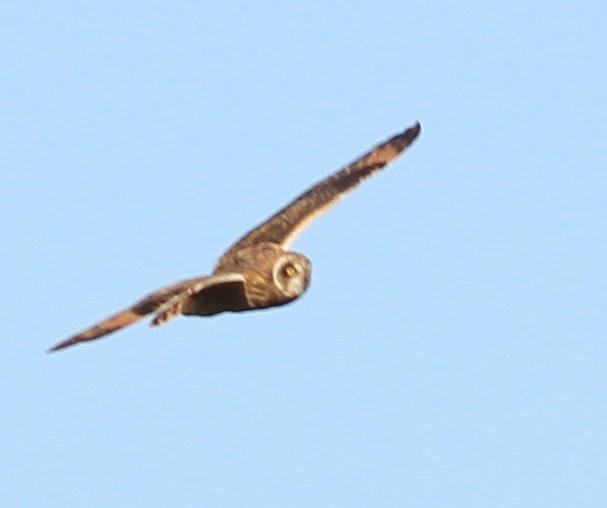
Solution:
(291, 274)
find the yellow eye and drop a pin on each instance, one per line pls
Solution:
(290, 271)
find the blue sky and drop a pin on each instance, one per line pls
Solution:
(451, 348)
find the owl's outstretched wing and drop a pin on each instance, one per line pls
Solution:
(284, 226)
(164, 301)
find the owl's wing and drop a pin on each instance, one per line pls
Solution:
(284, 226)
(158, 301)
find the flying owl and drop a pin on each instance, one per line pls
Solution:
(259, 270)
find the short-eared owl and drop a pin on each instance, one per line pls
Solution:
(258, 271)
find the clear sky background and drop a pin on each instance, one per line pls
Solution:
(451, 350)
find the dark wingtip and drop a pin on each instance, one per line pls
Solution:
(404, 139)
(61, 345)
(412, 132)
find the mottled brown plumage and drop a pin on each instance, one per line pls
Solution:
(257, 271)
(286, 224)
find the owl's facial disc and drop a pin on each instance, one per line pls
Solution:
(291, 274)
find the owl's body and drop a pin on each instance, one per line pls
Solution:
(265, 282)
(258, 271)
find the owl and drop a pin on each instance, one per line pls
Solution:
(259, 270)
